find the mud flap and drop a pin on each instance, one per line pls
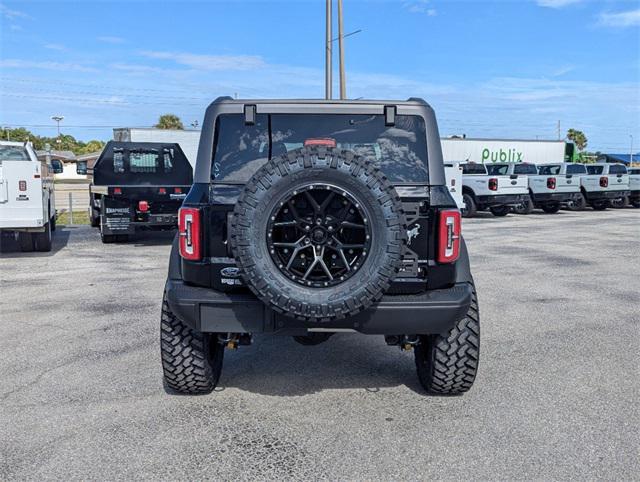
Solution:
(116, 217)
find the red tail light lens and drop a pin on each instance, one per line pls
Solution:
(604, 181)
(493, 184)
(162, 191)
(22, 185)
(551, 182)
(143, 206)
(189, 232)
(177, 190)
(449, 232)
(117, 190)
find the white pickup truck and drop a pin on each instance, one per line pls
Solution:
(27, 205)
(605, 184)
(634, 186)
(453, 176)
(550, 186)
(497, 192)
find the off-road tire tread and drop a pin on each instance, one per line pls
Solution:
(186, 363)
(447, 364)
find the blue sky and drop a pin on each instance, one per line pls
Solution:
(490, 68)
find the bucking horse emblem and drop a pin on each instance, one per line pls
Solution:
(412, 233)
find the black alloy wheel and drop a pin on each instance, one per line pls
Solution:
(319, 235)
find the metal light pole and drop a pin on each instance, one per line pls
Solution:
(57, 119)
(328, 62)
(343, 81)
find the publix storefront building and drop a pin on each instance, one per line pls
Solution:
(506, 150)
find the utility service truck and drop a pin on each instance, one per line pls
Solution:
(27, 207)
(138, 185)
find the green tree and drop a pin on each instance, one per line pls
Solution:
(91, 146)
(578, 138)
(169, 121)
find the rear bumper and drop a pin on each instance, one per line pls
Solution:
(555, 197)
(206, 310)
(605, 195)
(120, 225)
(501, 199)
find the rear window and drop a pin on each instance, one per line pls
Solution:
(473, 168)
(525, 169)
(576, 169)
(13, 153)
(143, 161)
(595, 169)
(617, 169)
(400, 151)
(498, 169)
(634, 171)
(550, 170)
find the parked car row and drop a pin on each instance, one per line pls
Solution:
(522, 187)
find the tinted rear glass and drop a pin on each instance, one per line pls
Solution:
(634, 171)
(473, 168)
(617, 169)
(525, 169)
(595, 169)
(13, 153)
(400, 151)
(550, 170)
(498, 169)
(576, 169)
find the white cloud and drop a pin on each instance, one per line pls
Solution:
(111, 40)
(55, 47)
(209, 62)
(560, 71)
(557, 3)
(420, 6)
(30, 64)
(12, 14)
(630, 18)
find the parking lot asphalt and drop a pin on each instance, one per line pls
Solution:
(81, 392)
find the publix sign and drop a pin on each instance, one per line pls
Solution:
(501, 155)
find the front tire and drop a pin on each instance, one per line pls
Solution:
(635, 203)
(525, 207)
(447, 364)
(470, 208)
(191, 361)
(500, 210)
(600, 206)
(620, 203)
(578, 204)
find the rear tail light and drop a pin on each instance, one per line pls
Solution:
(117, 190)
(143, 206)
(22, 185)
(551, 182)
(189, 233)
(449, 233)
(604, 181)
(162, 191)
(493, 184)
(177, 190)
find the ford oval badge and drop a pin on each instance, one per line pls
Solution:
(230, 272)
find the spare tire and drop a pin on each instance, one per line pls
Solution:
(318, 234)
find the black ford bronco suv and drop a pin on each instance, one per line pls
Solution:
(312, 217)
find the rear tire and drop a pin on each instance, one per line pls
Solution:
(526, 207)
(25, 241)
(447, 364)
(95, 219)
(43, 241)
(551, 208)
(191, 361)
(635, 203)
(500, 210)
(469, 206)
